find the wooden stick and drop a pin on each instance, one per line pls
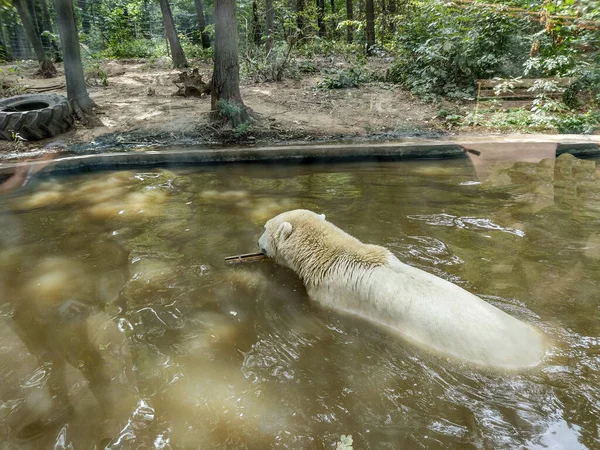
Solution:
(247, 257)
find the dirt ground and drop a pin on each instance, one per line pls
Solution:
(138, 109)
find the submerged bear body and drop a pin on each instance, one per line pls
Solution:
(343, 273)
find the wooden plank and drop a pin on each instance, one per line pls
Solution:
(520, 94)
(525, 83)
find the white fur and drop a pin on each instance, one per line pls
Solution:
(341, 272)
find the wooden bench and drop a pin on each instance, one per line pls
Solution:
(519, 88)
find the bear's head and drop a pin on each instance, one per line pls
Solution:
(279, 229)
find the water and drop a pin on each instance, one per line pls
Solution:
(122, 327)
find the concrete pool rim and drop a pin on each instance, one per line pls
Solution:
(581, 146)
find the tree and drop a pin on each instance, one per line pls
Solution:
(47, 69)
(392, 11)
(177, 55)
(85, 17)
(349, 17)
(256, 31)
(202, 23)
(47, 26)
(321, 17)
(69, 40)
(226, 96)
(269, 25)
(300, 4)
(370, 10)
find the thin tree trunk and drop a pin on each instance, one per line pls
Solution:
(85, 17)
(256, 31)
(383, 22)
(33, 15)
(202, 24)
(349, 16)
(269, 25)
(392, 11)
(321, 17)
(6, 55)
(47, 69)
(300, 4)
(45, 23)
(50, 28)
(333, 19)
(226, 96)
(370, 10)
(177, 55)
(69, 40)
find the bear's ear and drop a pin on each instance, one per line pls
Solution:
(322, 216)
(284, 231)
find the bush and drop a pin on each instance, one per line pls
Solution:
(578, 123)
(343, 79)
(135, 48)
(443, 49)
(276, 66)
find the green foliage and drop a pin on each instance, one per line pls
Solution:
(94, 71)
(228, 110)
(443, 50)
(307, 66)
(242, 129)
(135, 48)
(9, 88)
(192, 50)
(344, 78)
(275, 66)
(585, 89)
(585, 123)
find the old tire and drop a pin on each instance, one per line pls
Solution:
(34, 116)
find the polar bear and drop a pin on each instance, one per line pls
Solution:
(342, 273)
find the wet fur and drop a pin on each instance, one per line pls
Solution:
(343, 273)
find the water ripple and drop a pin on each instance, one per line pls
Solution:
(467, 223)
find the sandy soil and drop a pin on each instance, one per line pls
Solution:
(139, 109)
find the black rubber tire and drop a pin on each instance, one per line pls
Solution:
(34, 116)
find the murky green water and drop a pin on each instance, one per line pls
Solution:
(122, 327)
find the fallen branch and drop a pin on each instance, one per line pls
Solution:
(45, 88)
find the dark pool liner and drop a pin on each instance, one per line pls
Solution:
(299, 154)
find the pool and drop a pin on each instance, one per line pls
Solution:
(124, 328)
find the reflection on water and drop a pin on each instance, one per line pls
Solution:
(122, 327)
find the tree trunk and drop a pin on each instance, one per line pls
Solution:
(177, 55)
(269, 25)
(6, 53)
(33, 15)
(69, 41)
(48, 27)
(383, 22)
(256, 31)
(321, 17)
(202, 24)
(47, 69)
(370, 10)
(349, 16)
(226, 97)
(392, 11)
(85, 17)
(300, 17)
(333, 19)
